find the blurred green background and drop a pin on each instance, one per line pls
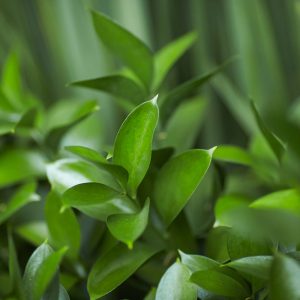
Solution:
(57, 44)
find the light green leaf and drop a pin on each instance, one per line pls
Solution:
(233, 154)
(114, 267)
(40, 270)
(177, 180)
(215, 281)
(165, 58)
(34, 232)
(62, 225)
(116, 85)
(98, 200)
(128, 227)
(128, 48)
(285, 274)
(257, 266)
(63, 294)
(287, 200)
(17, 165)
(86, 153)
(23, 196)
(183, 126)
(175, 284)
(133, 144)
(274, 142)
(66, 173)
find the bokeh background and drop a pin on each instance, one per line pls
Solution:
(56, 44)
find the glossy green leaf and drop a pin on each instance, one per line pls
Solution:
(98, 200)
(17, 165)
(287, 200)
(128, 227)
(198, 262)
(114, 267)
(62, 225)
(40, 270)
(121, 43)
(116, 85)
(24, 195)
(257, 266)
(177, 133)
(175, 284)
(34, 232)
(165, 58)
(233, 154)
(274, 142)
(66, 173)
(133, 144)
(177, 180)
(285, 274)
(219, 283)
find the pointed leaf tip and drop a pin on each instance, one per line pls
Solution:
(154, 99)
(212, 150)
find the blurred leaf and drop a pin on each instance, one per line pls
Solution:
(285, 274)
(62, 225)
(116, 85)
(177, 180)
(23, 196)
(129, 49)
(132, 148)
(219, 283)
(34, 232)
(257, 266)
(114, 267)
(20, 164)
(40, 270)
(165, 58)
(274, 142)
(66, 173)
(128, 227)
(183, 126)
(98, 200)
(288, 200)
(233, 154)
(63, 294)
(175, 284)
(151, 295)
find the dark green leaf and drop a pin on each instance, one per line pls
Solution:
(128, 227)
(165, 58)
(114, 267)
(97, 200)
(133, 144)
(116, 85)
(175, 284)
(129, 49)
(177, 180)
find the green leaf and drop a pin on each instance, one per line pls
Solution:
(62, 225)
(177, 180)
(65, 115)
(175, 284)
(233, 154)
(274, 142)
(285, 274)
(114, 267)
(128, 48)
(257, 266)
(34, 232)
(23, 196)
(17, 165)
(198, 262)
(63, 294)
(133, 144)
(40, 270)
(151, 294)
(128, 227)
(165, 58)
(183, 126)
(219, 283)
(98, 200)
(116, 85)
(287, 200)
(66, 173)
